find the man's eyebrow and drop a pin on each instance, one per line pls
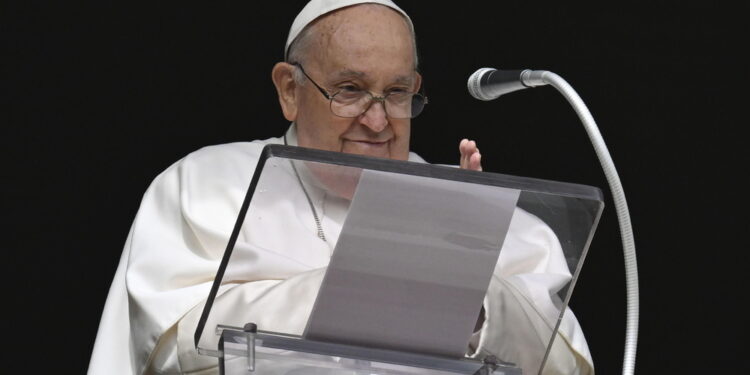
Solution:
(404, 80)
(348, 73)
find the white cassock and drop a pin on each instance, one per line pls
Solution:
(180, 234)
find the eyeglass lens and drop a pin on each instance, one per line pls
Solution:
(349, 103)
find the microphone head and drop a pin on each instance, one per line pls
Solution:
(488, 83)
(475, 86)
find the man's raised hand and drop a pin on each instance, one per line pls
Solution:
(470, 156)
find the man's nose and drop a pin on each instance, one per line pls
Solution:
(375, 117)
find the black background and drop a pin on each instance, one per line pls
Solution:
(100, 98)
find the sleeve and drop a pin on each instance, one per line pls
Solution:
(171, 257)
(278, 306)
(522, 307)
(112, 349)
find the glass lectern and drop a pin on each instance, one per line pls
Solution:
(395, 267)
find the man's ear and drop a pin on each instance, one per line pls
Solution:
(283, 78)
(419, 82)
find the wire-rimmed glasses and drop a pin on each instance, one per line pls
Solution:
(352, 102)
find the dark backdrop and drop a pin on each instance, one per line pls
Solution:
(100, 98)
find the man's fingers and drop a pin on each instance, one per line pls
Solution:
(463, 149)
(467, 147)
(470, 156)
(475, 163)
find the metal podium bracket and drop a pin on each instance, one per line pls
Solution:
(249, 330)
(491, 363)
(238, 342)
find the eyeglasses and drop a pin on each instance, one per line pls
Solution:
(351, 102)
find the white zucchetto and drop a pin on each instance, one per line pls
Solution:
(317, 8)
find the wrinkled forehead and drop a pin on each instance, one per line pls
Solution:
(374, 18)
(362, 37)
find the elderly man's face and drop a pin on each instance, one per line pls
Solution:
(368, 47)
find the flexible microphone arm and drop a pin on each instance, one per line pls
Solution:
(532, 78)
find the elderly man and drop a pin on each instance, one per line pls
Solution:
(350, 67)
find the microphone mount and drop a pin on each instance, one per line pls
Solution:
(488, 83)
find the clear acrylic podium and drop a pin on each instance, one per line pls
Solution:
(528, 301)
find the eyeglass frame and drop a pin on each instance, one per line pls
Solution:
(375, 98)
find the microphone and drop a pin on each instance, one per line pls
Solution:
(488, 83)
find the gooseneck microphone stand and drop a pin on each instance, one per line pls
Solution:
(483, 86)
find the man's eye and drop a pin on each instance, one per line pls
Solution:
(398, 90)
(349, 88)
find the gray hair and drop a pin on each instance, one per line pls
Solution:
(300, 47)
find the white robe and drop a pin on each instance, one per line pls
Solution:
(181, 231)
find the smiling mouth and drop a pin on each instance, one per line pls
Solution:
(371, 143)
(369, 147)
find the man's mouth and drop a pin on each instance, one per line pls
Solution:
(372, 143)
(368, 147)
